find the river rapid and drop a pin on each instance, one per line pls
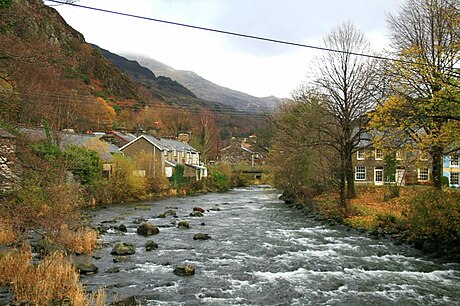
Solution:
(261, 252)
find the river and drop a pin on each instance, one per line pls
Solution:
(261, 252)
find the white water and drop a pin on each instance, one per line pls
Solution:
(264, 253)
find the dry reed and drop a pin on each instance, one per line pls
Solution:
(81, 241)
(7, 235)
(54, 279)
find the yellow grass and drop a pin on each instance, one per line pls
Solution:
(7, 235)
(54, 278)
(81, 241)
(369, 209)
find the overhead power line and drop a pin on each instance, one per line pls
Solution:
(271, 40)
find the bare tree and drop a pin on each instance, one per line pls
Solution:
(347, 85)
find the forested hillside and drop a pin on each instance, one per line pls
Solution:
(49, 73)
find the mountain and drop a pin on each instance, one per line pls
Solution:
(207, 90)
(50, 75)
(168, 90)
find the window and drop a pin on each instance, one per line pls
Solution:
(399, 155)
(360, 154)
(454, 178)
(423, 174)
(454, 160)
(360, 173)
(378, 154)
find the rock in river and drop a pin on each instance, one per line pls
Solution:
(201, 236)
(196, 214)
(150, 245)
(186, 270)
(123, 249)
(147, 229)
(201, 210)
(183, 224)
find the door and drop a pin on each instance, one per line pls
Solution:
(378, 176)
(400, 177)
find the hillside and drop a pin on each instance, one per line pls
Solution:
(173, 93)
(207, 90)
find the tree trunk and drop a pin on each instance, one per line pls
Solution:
(342, 182)
(437, 167)
(351, 191)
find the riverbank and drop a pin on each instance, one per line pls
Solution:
(419, 216)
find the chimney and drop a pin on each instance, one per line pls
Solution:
(184, 137)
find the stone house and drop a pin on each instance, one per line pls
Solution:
(410, 167)
(166, 155)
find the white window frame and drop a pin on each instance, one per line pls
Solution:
(454, 161)
(378, 154)
(457, 179)
(423, 172)
(358, 174)
(360, 154)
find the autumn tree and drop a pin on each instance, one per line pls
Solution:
(299, 153)
(346, 83)
(424, 94)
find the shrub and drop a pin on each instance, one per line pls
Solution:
(436, 215)
(126, 184)
(84, 164)
(220, 181)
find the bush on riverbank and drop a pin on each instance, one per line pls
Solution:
(435, 215)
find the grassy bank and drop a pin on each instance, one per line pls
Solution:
(421, 216)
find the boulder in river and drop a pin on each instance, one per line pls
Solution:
(196, 214)
(183, 224)
(201, 210)
(84, 265)
(129, 301)
(123, 248)
(147, 229)
(185, 270)
(151, 245)
(201, 236)
(86, 268)
(122, 228)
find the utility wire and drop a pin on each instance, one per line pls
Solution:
(230, 33)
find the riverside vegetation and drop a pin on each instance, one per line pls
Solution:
(44, 215)
(421, 216)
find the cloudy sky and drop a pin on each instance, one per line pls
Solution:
(255, 67)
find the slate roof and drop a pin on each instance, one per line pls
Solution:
(68, 139)
(165, 144)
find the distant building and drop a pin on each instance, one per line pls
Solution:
(240, 152)
(9, 167)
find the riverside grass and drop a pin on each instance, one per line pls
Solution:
(53, 280)
(7, 235)
(81, 241)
